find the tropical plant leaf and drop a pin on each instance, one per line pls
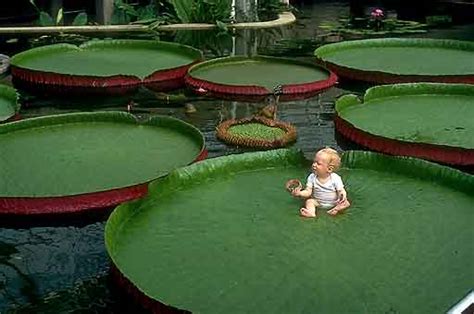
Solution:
(45, 19)
(59, 16)
(183, 10)
(127, 8)
(147, 12)
(221, 26)
(80, 19)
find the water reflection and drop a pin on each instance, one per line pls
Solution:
(38, 261)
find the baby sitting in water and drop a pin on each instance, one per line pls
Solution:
(324, 187)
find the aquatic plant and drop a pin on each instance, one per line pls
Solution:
(45, 19)
(376, 19)
(156, 12)
(202, 11)
(216, 42)
(256, 132)
(363, 27)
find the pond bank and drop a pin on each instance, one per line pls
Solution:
(284, 18)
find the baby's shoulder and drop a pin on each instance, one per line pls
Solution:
(336, 179)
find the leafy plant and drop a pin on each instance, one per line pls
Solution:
(45, 19)
(202, 11)
(156, 12)
(214, 43)
(269, 9)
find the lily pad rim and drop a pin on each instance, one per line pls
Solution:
(399, 90)
(257, 58)
(429, 171)
(290, 134)
(17, 59)
(326, 50)
(403, 89)
(101, 116)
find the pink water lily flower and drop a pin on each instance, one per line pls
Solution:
(377, 13)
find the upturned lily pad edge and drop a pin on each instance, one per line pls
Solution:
(451, 155)
(46, 82)
(255, 93)
(45, 205)
(411, 167)
(290, 136)
(383, 77)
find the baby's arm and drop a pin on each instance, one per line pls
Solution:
(303, 193)
(341, 195)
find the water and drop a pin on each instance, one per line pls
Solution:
(63, 268)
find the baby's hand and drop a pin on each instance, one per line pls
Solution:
(342, 196)
(296, 192)
(293, 186)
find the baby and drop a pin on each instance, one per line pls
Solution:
(324, 187)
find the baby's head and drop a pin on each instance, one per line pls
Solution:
(329, 157)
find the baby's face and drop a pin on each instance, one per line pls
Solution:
(321, 164)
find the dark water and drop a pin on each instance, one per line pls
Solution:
(63, 268)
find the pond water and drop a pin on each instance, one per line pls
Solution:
(64, 268)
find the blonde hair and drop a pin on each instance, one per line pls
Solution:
(334, 159)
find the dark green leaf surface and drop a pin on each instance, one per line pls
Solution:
(8, 102)
(403, 56)
(45, 19)
(223, 236)
(266, 72)
(439, 114)
(80, 19)
(91, 152)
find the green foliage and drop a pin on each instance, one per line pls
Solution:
(202, 11)
(75, 39)
(269, 9)
(368, 26)
(124, 13)
(215, 43)
(45, 19)
(155, 13)
(183, 9)
(439, 20)
(80, 19)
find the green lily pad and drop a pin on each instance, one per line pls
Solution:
(224, 236)
(9, 105)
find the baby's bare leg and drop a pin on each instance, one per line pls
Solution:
(309, 209)
(339, 208)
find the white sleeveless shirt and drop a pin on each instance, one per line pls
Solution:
(325, 194)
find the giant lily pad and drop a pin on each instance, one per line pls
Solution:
(257, 132)
(396, 60)
(74, 162)
(427, 120)
(9, 104)
(224, 236)
(253, 79)
(103, 66)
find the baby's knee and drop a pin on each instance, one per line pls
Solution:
(311, 202)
